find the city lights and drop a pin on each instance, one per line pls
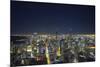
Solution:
(54, 49)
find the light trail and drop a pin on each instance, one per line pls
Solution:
(47, 54)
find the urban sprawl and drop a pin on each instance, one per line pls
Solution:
(37, 49)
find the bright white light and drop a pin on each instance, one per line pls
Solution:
(34, 48)
(38, 40)
(29, 50)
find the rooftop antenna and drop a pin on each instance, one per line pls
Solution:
(56, 35)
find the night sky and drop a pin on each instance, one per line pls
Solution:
(30, 17)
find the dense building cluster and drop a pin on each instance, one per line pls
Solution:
(39, 49)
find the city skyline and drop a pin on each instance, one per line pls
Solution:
(30, 17)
